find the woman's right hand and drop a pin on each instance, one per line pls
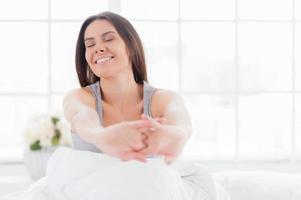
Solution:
(124, 140)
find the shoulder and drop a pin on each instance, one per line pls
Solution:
(83, 95)
(166, 95)
(162, 99)
(83, 92)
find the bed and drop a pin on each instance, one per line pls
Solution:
(229, 183)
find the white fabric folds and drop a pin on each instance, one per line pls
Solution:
(82, 175)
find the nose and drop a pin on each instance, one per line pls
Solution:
(99, 50)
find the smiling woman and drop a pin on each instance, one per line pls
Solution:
(105, 32)
(110, 64)
(116, 112)
(103, 49)
(237, 64)
(117, 116)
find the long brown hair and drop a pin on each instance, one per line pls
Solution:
(131, 39)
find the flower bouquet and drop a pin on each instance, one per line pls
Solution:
(44, 133)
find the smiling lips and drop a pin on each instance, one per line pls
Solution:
(104, 60)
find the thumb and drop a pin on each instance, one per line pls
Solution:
(133, 156)
(168, 159)
(154, 123)
(148, 151)
(140, 124)
(161, 120)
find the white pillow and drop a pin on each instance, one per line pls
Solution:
(260, 185)
(297, 195)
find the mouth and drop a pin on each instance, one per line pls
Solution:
(104, 60)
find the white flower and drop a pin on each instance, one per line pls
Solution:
(42, 128)
(30, 137)
(64, 129)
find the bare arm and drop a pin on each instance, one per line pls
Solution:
(120, 140)
(169, 139)
(175, 112)
(82, 118)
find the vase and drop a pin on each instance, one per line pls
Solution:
(36, 161)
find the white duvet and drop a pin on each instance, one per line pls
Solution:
(83, 175)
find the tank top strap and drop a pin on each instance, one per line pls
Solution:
(148, 92)
(95, 88)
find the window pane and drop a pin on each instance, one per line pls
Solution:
(144, 9)
(298, 9)
(265, 53)
(24, 61)
(265, 9)
(161, 52)
(213, 121)
(208, 9)
(64, 38)
(265, 122)
(298, 55)
(298, 123)
(208, 56)
(20, 9)
(57, 103)
(69, 9)
(15, 114)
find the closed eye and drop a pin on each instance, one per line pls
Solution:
(90, 45)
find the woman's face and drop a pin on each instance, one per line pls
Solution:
(106, 52)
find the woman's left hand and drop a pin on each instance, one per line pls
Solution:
(163, 139)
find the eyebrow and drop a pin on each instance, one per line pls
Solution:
(103, 35)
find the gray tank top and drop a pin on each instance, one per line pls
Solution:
(80, 144)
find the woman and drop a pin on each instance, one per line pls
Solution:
(116, 111)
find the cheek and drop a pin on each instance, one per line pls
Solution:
(123, 53)
(88, 57)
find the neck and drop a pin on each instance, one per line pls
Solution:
(121, 92)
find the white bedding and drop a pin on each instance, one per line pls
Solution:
(260, 185)
(83, 175)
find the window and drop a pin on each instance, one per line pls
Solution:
(237, 64)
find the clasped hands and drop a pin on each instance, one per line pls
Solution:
(135, 140)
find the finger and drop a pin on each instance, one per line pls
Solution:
(150, 128)
(155, 124)
(168, 159)
(150, 150)
(124, 159)
(145, 141)
(158, 119)
(140, 124)
(143, 136)
(139, 146)
(161, 120)
(144, 129)
(144, 116)
(134, 156)
(146, 151)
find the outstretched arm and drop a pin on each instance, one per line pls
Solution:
(170, 138)
(82, 118)
(122, 140)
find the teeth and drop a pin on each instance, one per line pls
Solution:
(103, 60)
